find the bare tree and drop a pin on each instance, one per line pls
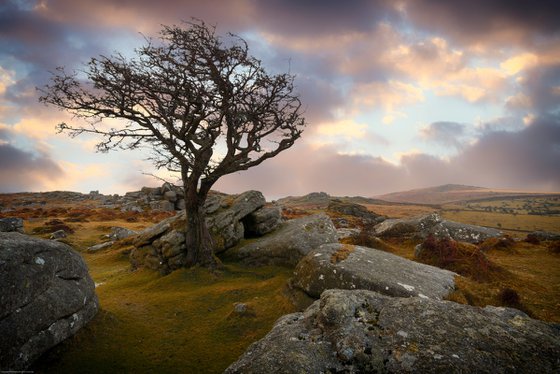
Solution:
(198, 101)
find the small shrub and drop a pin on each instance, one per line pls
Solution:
(461, 258)
(52, 226)
(532, 239)
(509, 297)
(554, 247)
(504, 243)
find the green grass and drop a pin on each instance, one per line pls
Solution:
(182, 322)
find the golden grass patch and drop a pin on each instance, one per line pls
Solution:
(342, 253)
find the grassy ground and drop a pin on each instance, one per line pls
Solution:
(183, 322)
(400, 210)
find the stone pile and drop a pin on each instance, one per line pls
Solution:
(165, 198)
(162, 247)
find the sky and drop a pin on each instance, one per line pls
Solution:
(397, 94)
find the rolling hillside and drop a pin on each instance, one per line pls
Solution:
(451, 193)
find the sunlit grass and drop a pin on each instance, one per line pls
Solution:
(180, 322)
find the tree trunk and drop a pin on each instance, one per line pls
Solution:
(198, 240)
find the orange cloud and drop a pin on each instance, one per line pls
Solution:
(388, 96)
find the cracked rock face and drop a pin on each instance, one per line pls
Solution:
(344, 266)
(365, 332)
(46, 295)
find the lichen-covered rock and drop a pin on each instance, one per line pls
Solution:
(46, 295)
(262, 221)
(544, 235)
(407, 227)
(163, 205)
(118, 233)
(11, 224)
(464, 233)
(344, 266)
(59, 234)
(422, 226)
(365, 332)
(355, 210)
(290, 242)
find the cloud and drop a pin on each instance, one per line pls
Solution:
(389, 97)
(539, 88)
(331, 17)
(445, 133)
(486, 23)
(347, 129)
(526, 159)
(25, 171)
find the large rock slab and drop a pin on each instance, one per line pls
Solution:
(46, 295)
(290, 242)
(365, 332)
(422, 226)
(345, 266)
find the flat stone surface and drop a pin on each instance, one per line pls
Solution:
(290, 242)
(343, 266)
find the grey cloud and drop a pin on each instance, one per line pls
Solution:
(23, 171)
(325, 17)
(486, 21)
(445, 133)
(526, 159)
(539, 84)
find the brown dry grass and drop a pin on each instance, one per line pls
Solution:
(342, 253)
(399, 210)
(508, 223)
(532, 272)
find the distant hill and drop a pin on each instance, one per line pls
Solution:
(450, 193)
(320, 200)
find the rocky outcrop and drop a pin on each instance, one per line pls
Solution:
(46, 296)
(118, 233)
(162, 247)
(166, 198)
(344, 266)
(290, 242)
(355, 210)
(365, 332)
(422, 226)
(543, 235)
(11, 224)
